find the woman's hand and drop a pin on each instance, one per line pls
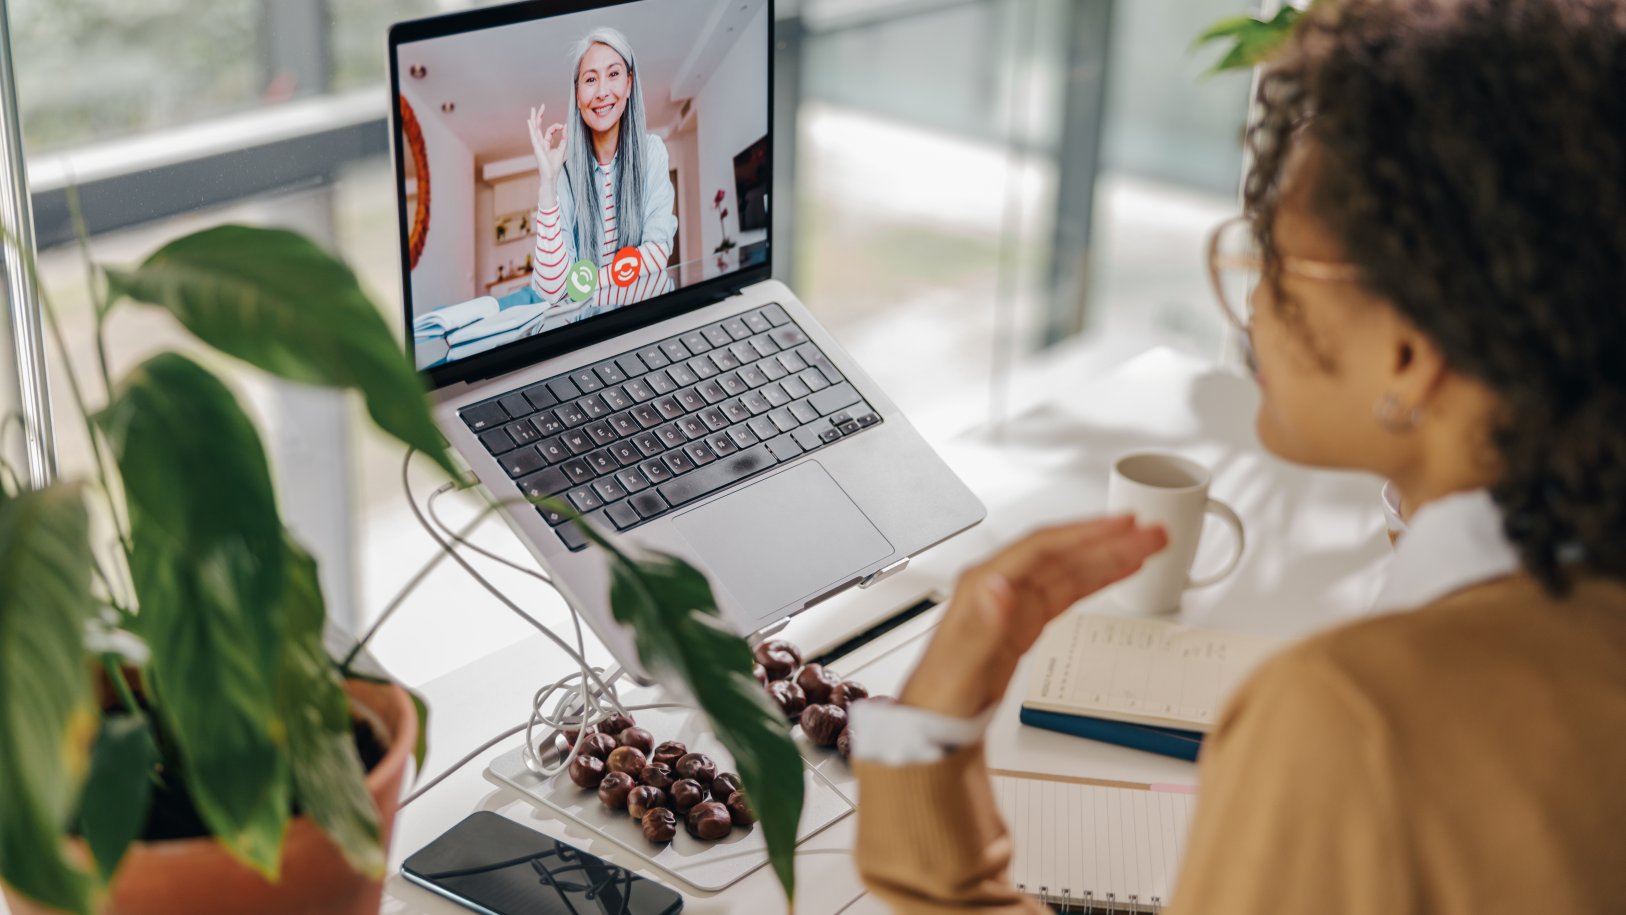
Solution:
(1001, 606)
(549, 147)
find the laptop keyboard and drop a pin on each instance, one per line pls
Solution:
(640, 435)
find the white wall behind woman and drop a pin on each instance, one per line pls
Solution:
(732, 110)
(445, 271)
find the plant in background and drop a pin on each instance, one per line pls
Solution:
(1252, 40)
(188, 667)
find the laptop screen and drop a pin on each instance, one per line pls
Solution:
(558, 169)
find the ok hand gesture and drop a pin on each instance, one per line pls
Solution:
(549, 146)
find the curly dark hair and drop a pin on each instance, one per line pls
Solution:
(1473, 165)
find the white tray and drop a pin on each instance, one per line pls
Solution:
(706, 866)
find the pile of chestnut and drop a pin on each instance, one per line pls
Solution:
(809, 694)
(655, 784)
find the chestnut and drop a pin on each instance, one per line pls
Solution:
(626, 759)
(657, 775)
(847, 692)
(844, 743)
(613, 790)
(660, 824)
(778, 658)
(572, 731)
(709, 821)
(789, 696)
(699, 767)
(595, 744)
(637, 738)
(643, 799)
(739, 811)
(587, 771)
(685, 794)
(761, 673)
(614, 724)
(817, 683)
(669, 753)
(823, 724)
(723, 785)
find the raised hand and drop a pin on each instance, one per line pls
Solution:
(549, 147)
(1001, 606)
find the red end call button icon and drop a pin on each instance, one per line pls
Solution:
(626, 267)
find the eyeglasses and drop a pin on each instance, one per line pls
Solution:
(1235, 265)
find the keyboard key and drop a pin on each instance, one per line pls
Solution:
(772, 369)
(571, 414)
(587, 381)
(868, 418)
(616, 398)
(736, 411)
(700, 453)
(601, 433)
(743, 436)
(497, 441)
(715, 476)
(648, 504)
(808, 437)
(682, 374)
(722, 445)
(577, 470)
(829, 435)
(714, 419)
(763, 345)
(585, 499)
(554, 518)
(702, 366)
(796, 388)
(693, 427)
(832, 399)
(696, 342)
(609, 373)
(578, 441)
(621, 515)
(594, 406)
(753, 376)
(716, 336)
(654, 358)
(690, 399)
(481, 417)
(547, 423)
(788, 336)
(775, 314)
(602, 462)
(631, 365)
(678, 462)
(783, 419)
(763, 427)
(814, 379)
(564, 389)
(724, 360)
(776, 395)
(848, 427)
(523, 432)
(732, 384)
(631, 480)
(669, 408)
(711, 391)
(554, 449)
(736, 328)
(671, 436)
(655, 471)
(545, 483)
(516, 405)
(540, 397)
(521, 462)
(626, 453)
(609, 490)
(784, 447)
(757, 403)
(649, 444)
(756, 322)
(571, 536)
(624, 424)
(744, 352)
(646, 415)
(804, 411)
(640, 390)
(675, 350)
(661, 382)
(792, 362)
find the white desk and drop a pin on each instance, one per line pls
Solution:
(1315, 555)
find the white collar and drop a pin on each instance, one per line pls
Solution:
(1452, 543)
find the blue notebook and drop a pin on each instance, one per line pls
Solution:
(1146, 684)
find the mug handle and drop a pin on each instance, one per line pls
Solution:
(1223, 512)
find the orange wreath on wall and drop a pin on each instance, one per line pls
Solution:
(420, 165)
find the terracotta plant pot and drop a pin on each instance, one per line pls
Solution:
(198, 877)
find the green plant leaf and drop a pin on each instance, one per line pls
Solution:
(1254, 41)
(670, 607)
(274, 299)
(118, 792)
(328, 776)
(48, 717)
(421, 708)
(208, 564)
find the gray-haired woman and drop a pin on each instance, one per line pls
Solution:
(605, 196)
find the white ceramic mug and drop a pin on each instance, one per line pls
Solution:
(1166, 489)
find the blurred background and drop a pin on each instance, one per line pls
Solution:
(975, 182)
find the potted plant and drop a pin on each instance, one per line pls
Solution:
(174, 736)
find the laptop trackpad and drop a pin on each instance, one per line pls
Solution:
(779, 541)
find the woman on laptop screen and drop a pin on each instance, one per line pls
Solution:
(604, 220)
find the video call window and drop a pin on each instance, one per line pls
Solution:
(559, 169)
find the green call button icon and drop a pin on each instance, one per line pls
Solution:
(582, 281)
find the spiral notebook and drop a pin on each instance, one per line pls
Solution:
(1094, 846)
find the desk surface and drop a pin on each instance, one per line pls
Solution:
(1315, 555)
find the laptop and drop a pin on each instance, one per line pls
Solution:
(585, 190)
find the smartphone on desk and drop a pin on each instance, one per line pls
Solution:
(494, 865)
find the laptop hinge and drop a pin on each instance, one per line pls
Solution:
(880, 575)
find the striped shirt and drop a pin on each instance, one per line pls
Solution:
(550, 258)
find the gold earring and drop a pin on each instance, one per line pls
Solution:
(1393, 418)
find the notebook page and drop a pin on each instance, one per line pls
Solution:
(1076, 841)
(1134, 669)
